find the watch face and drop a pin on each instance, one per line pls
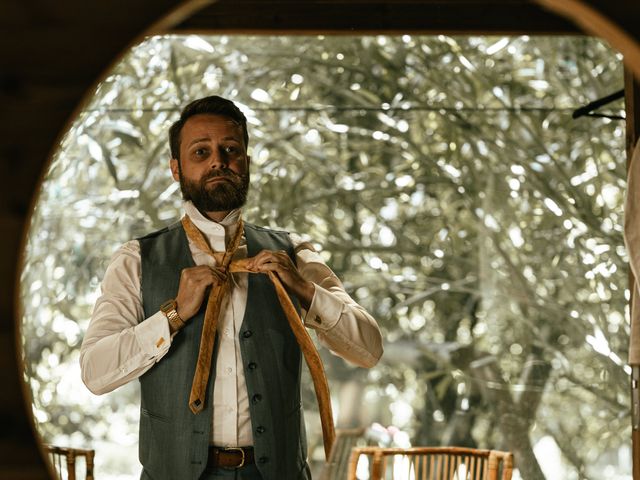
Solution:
(168, 307)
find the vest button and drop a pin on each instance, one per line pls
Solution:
(263, 460)
(252, 366)
(256, 398)
(260, 429)
(247, 333)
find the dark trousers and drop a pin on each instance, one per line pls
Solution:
(248, 472)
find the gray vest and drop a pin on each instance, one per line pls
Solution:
(173, 441)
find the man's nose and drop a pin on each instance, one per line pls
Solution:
(218, 159)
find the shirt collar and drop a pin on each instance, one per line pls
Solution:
(214, 231)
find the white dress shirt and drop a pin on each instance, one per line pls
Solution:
(120, 344)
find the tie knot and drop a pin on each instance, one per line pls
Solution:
(222, 258)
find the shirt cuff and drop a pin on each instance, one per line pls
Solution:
(153, 334)
(325, 310)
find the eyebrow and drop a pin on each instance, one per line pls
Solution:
(208, 139)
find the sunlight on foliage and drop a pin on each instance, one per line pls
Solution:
(447, 185)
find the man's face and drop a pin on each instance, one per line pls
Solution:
(213, 170)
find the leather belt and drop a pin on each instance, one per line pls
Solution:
(229, 457)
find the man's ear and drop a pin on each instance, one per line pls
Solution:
(175, 169)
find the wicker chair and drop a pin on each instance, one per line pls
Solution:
(64, 461)
(432, 463)
(338, 462)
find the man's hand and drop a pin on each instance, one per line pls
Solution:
(279, 262)
(193, 285)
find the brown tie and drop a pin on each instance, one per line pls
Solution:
(203, 367)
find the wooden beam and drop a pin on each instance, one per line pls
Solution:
(632, 108)
(459, 17)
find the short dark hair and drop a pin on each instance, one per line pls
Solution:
(212, 105)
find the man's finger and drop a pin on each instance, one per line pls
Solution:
(219, 273)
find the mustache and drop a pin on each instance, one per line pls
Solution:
(222, 172)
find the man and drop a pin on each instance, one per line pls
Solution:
(148, 322)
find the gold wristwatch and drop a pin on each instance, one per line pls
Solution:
(169, 308)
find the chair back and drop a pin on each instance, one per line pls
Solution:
(64, 460)
(429, 463)
(338, 462)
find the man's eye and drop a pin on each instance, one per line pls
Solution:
(201, 152)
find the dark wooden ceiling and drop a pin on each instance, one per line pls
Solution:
(54, 50)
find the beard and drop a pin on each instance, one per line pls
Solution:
(219, 196)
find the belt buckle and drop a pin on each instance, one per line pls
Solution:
(236, 449)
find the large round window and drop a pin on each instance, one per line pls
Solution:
(444, 181)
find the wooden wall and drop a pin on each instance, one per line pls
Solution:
(52, 51)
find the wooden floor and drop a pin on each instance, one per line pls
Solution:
(54, 50)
